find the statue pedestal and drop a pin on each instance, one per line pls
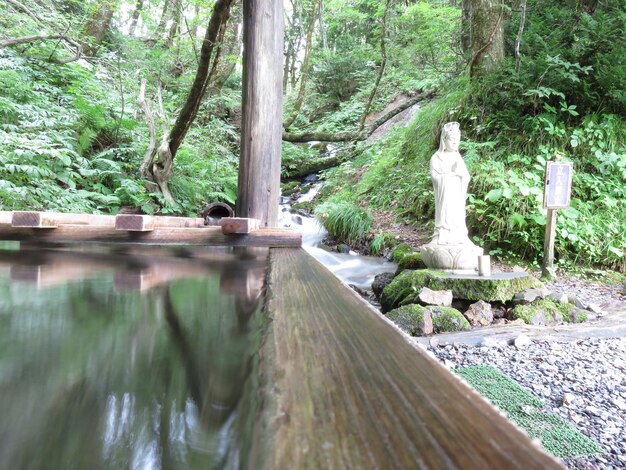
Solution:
(459, 258)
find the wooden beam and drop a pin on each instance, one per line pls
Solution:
(261, 128)
(33, 219)
(209, 236)
(238, 225)
(344, 389)
(134, 223)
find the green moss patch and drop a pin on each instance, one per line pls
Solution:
(556, 434)
(446, 319)
(549, 312)
(407, 285)
(400, 251)
(410, 261)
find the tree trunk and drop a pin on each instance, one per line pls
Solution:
(306, 65)
(258, 189)
(487, 36)
(135, 17)
(466, 26)
(98, 24)
(160, 29)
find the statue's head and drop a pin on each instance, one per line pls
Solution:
(450, 137)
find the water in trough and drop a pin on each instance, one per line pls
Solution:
(142, 358)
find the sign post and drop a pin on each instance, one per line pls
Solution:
(556, 195)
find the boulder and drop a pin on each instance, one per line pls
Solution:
(435, 297)
(479, 314)
(413, 319)
(380, 282)
(418, 321)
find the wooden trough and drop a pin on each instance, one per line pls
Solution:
(340, 387)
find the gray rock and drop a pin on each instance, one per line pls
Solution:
(569, 399)
(595, 308)
(574, 300)
(479, 313)
(522, 341)
(380, 281)
(530, 295)
(435, 297)
(560, 298)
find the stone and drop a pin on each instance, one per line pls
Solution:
(447, 319)
(413, 319)
(380, 282)
(435, 297)
(530, 295)
(522, 341)
(450, 247)
(548, 312)
(595, 308)
(345, 249)
(560, 298)
(410, 261)
(479, 314)
(407, 285)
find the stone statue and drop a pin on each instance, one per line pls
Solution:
(450, 247)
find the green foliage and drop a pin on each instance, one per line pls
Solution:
(344, 221)
(381, 242)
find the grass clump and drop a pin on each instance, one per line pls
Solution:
(400, 252)
(556, 435)
(344, 221)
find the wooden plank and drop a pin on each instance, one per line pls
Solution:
(209, 236)
(134, 222)
(261, 123)
(238, 225)
(344, 389)
(547, 266)
(32, 220)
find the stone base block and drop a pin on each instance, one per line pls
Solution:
(456, 258)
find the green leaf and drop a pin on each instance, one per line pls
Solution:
(494, 195)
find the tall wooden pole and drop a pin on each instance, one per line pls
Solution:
(261, 129)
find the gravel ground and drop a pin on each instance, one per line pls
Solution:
(583, 380)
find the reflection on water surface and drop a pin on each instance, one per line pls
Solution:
(131, 358)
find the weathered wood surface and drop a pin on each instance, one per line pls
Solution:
(262, 104)
(344, 389)
(209, 236)
(238, 225)
(134, 223)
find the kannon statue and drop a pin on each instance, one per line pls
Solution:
(450, 247)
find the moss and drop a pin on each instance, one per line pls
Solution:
(305, 206)
(447, 319)
(410, 261)
(409, 319)
(407, 285)
(400, 251)
(287, 189)
(547, 311)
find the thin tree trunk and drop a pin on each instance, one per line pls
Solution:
(195, 22)
(355, 135)
(160, 29)
(466, 26)
(135, 17)
(381, 70)
(306, 65)
(520, 32)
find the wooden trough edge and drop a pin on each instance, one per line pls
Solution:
(53, 227)
(342, 388)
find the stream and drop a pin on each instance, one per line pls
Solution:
(352, 268)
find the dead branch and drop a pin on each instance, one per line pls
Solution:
(18, 6)
(44, 37)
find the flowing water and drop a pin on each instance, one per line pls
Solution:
(137, 359)
(351, 268)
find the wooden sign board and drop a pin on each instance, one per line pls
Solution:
(558, 186)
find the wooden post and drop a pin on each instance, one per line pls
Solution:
(547, 268)
(261, 129)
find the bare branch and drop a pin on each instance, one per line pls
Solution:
(18, 6)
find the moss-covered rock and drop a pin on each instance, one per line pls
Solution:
(549, 312)
(413, 319)
(287, 189)
(419, 321)
(400, 251)
(410, 261)
(407, 285)
(380, 282)
(447, 319)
